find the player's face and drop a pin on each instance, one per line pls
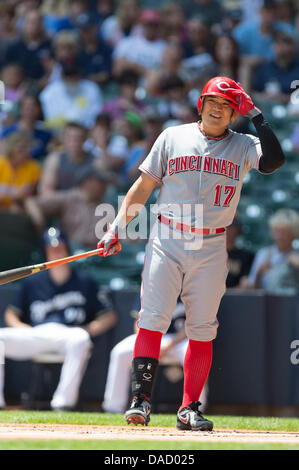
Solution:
(216, 114)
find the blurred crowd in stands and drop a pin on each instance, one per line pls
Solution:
(89, 85)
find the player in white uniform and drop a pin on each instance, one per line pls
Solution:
(200, 166)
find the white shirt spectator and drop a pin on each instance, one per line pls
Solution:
(80, 102)
(280, 276)
(139, 50)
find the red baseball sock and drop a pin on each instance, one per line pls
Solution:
(197, 366)
(147, 344)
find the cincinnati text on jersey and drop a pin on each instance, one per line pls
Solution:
(207, 164)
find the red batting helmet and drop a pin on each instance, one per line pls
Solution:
(220, 86)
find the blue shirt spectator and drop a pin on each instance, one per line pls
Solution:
(32, 49)
(256, 37)
(273, 78)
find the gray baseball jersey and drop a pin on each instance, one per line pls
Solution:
(192, 169)
(196, 170)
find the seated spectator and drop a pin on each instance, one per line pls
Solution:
(276, 268)
(255, 38)
(58, 312)
(131, 128)
(56, 16)
(174, 97)
(65, 48)
(122, 24)
(105, 9)
(197, 64)
(225, 53)
(152, 127)
(15, 86)
(173, 22)
(173, 349)
(171, 65)
(109, 150)
(32, 50)
(62, 168)
(95, 56)
(19, 173)
(7, 27)
(239, 260)
(126, 99)
(198, 39)
(74, 209)
(31, 121)
(71, 98)
(211, 11)
(273, 80)
(77, 8)
(144, 52)
(286, 11)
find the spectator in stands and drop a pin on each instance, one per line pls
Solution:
(19, 173)
(126, 99)
(173, 350)
(286, 11)
(56, 16)
(31, 121)
(197, 64)
(12, 76)
(105, 9)
(144, 52)
(131, 128)
(174, 97)
(32, 49)
(171, 65)
(273, 80)
(187, 114)
(225, 52)
(7, 27)
(276, 268)
(152, 127)
(239, 259)
(62, 168)
(255, 38)
(77, 8)
(74, 209)
(71, 98)
(109, 150)
(95, 56)
(173, 22)
(65, 48)
(123, 23)
(56, 311)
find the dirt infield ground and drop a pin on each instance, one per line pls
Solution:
(12, 431)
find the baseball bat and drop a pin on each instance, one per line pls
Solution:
(19, 273)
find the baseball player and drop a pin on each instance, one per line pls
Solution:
(202, 164)
(56, 311)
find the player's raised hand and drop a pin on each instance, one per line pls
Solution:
(109, 244)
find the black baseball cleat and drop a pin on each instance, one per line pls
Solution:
(139, 411)
(191, 419)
